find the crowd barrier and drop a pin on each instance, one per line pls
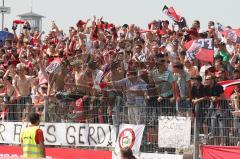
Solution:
(212, 123)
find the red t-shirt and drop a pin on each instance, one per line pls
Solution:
(39, 136)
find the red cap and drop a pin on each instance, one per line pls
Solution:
(80, 23)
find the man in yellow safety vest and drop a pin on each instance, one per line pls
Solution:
(32, 139)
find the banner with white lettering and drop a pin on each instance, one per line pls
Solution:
(174, 132)
(129, 136)
(66, 134)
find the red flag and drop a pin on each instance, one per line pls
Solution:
(171, 13)
(188, 44)
(201, 49)
(229, 87)
(220, 152)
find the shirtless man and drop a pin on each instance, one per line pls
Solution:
(112, 96)
(84, 80)
(57, 80)
(78, 71)
(22, 85)
(84, 83)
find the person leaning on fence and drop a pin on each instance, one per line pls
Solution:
(199, 97)
(217, 111)
(135, 89)
(32, 139)
(184, 85)
(22, 84)
(235, 100)
(9, 97)
(164, 80)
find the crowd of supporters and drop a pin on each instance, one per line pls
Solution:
(93, 71)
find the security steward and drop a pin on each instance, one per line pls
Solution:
(32, 139)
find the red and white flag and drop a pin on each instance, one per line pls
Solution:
(201, 49)
(231, 34)
(229, 87)
(171, 13)
(54, 66)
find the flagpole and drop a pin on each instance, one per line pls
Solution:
(2, 15)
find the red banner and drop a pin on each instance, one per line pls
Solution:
(220, 152)
(58, 153)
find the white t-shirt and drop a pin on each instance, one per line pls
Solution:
(230, 49)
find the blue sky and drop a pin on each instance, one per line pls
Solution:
(67, 12)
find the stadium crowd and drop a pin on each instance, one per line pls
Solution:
(95, 69)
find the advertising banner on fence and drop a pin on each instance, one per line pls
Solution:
(174, 132)
(57, 153)
(220, 152)
(66, 134)
(129, 136)
(160, 156)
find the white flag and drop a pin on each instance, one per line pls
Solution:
(129, 136)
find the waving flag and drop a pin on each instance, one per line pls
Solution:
(229, 86)
(201, 49)
(232, 34)
(171, 13)
(54, 66)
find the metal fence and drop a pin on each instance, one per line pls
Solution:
(212, 122)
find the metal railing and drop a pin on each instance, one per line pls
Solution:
(212, 122)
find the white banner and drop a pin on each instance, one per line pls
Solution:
(129, 136)
(174, 132)
(160, 156)
(66, 134)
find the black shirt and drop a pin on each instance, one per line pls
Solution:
(198, 92)
(216, 90)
